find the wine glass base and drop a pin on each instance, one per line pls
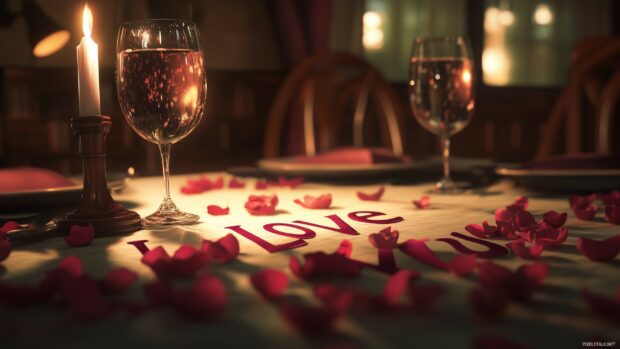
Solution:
(447, 186)
(169, 218)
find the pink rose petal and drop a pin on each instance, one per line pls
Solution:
(376, 196)
(118, 280)
(216, 210)
(80, 236)
(309, 320)
(612, 214)
(290, 182)
(345, 248)
(236, 184)
(603, 307)
(261, 185)
(600, 251)
(205, 300)
(555, 219)
(270, 283)
(518, 247)
(423, 202)
(318, 202)
(202, 184)
(384, 239)
(261, 205)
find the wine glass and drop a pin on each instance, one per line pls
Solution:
(441, 92)
(162, 90)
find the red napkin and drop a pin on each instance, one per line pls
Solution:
(30, 178)
(355, 156)
(576, 161)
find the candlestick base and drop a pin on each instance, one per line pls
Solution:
(108, 217)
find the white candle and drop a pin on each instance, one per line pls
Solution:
(88, 69)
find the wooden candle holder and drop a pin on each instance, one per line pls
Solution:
(108, 217)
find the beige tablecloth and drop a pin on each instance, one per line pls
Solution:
(557, 317)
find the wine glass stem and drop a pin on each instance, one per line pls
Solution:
(445, 143)
(164, 150)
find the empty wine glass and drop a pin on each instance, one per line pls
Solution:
(162, 90)
(441, 92)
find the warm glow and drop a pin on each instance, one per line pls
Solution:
(190, 98)
(87, 21)
(506, 18)
(372, 37)
(372, 19)
(543, 15)
(51, 43)
(466, 76)
(495, 65)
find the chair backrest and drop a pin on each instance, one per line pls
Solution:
(595, 74)
(320, 91)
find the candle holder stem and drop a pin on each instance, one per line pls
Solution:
(108, 217)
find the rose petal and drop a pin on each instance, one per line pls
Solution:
(384, 239)
(612, 214)
(600, 251)
(424, 297)
(482, 231)
(202, 184)
(396, 286)
(216, 210)
(270, 283)
(260, 185)
(548, 237)
(611, 198)
(118, 280)
(320, 264)
(205, 300)
(236, 184)
(376, 196)
(290, 182)
(585, 213)
(312, 202)
(604, 307)
(7, 227)
(520, 203)
(261, 205)
(223, 250)
(577, 201)
(82, 296)
(187, 261)
(345, 248)
(518, 248)
(462, 264)
(80, 236)
(487, 305)
(523, 220)
(335, 299)
(423, 202)
(158, 260)
(554, 218)
(70, 266)
(518, 285)
(309, 320)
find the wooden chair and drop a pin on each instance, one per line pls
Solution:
(595, 74)
(320, 91)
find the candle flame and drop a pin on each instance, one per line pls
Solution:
(87, 21)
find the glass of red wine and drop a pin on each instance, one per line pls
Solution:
(162, 90)
(441, 92)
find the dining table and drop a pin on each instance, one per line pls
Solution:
(289, 286)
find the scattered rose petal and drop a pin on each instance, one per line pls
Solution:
(318, 202)
(495, 342)
(270, 283)
(83, 298)
(223, 250)
(186, 261)
(80, 236)
(612, 214)
(345, 248)
(118, 280)
(321, 264)
(7, 227)
(577, 201)
(384, 239)
(600, 251)
(423, 202)
(611, 198)
(523, 220)
(309, 320)
(204, 300)
(335, 299)
(519, 204)
(463, 264)
(158, 260)
(290, 182)
(376, 196)
(548, 236)
(487, 305)
(586, 213)
(202, 184)
(424, 297)
(555, 219)
(261, 185)
(518, 285)
(261, 205)
(518, 247)
(216, 210)
(236, 184)
(396, 286)
(601, 306)
(483, 231)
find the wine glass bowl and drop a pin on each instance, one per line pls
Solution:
(441, 91)
(162, 89)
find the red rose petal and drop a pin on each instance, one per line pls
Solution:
(290, 182)
(611, 198)
(487, 305)
(482, 231)
(586, 213)
(82, 296)
(261, 205)
(70, 266)
(577, 201)
(7, 227)
(320, 264)
(462, 264)
(548, 237)
(376, 196)
(612, 214)
(216, 210)
(5, 249)
(158, 260)
(424, 297)
(270, 283)
(202, 184)
(495, 342)
(519, 204)
(423, 202)
(606, 308)
(236, 184)
(309, 320)
(318, 202)
(554, 218)
(261, 185)
(518, 285)
(345, 248)
(523, 220)
(205, 300)
(80, 236)
(600, 251)
(335, 299)
(118, 280)
(187, 261)
(396, 286)
(223, 250)
(384, 239)
(518, 247)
